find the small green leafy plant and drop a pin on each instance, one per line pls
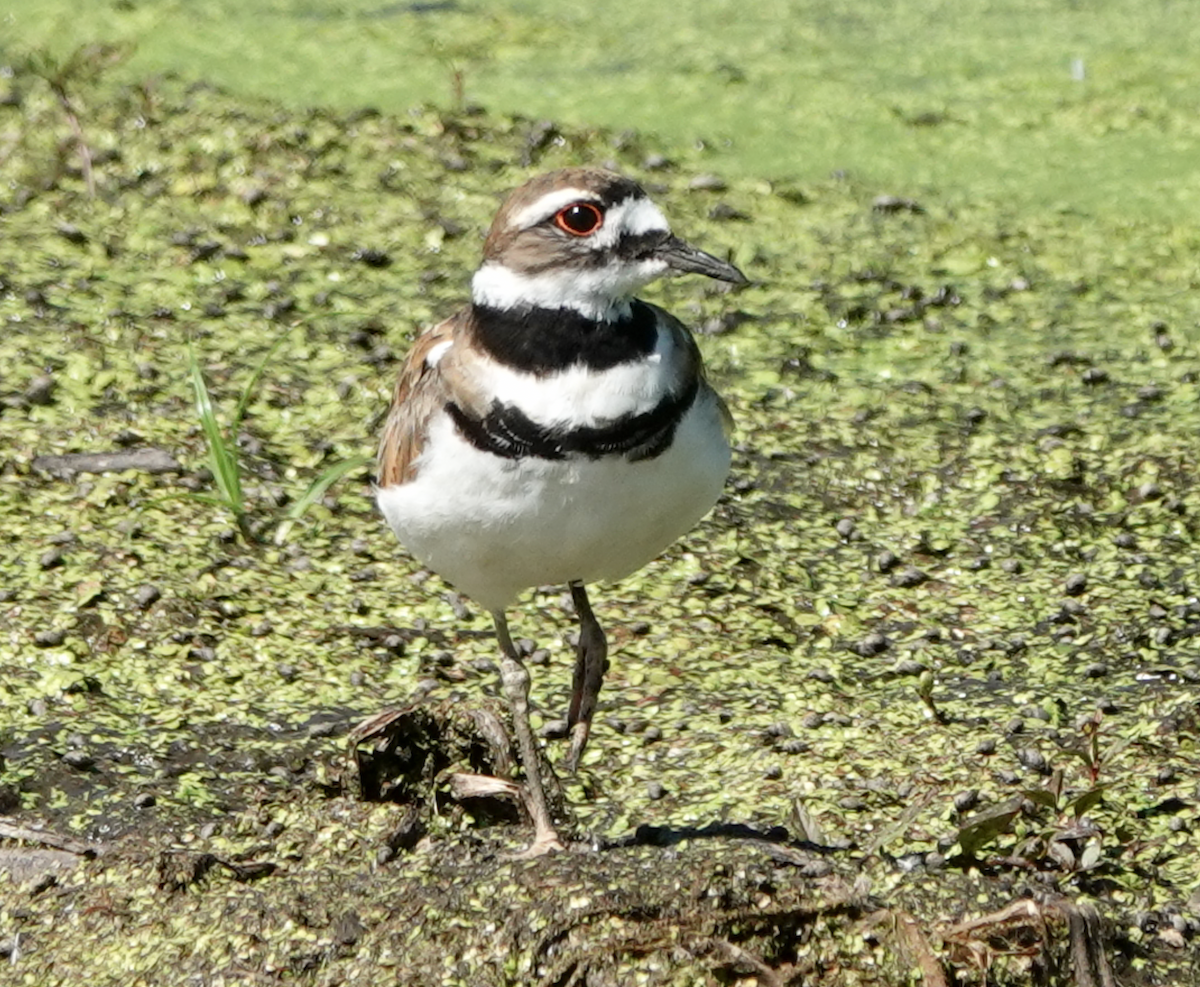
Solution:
(226, 467)
(1047, 827)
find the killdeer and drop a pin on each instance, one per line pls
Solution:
(556, 429)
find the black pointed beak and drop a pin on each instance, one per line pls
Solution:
(686, 259)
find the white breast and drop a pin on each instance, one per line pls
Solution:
(495, 527)
(580, 396)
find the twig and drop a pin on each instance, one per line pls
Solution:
(918, 950)
(1088, 961)
(738, 956)
(12, 831)
(85, 152)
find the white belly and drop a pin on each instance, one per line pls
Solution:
(495, 527)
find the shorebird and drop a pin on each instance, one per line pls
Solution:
(556, 429)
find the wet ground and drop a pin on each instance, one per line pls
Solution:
(916, 703)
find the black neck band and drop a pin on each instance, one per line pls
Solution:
(547, 340)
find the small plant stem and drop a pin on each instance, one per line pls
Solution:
(85, 152)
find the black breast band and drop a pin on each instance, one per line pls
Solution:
(508, 432)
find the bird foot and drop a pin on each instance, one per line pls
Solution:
(545, 837)
(543, 843)
(579, 739)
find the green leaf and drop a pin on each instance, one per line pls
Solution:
(1090, 856)
(316, 490)
(1042, 796)
(1081, 803)
(983, 828)
(222, 452)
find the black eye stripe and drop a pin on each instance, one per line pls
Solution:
(638, 246)
(629, 248)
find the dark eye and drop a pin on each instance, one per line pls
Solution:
(579, 219)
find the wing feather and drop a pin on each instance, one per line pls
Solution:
(421, 391)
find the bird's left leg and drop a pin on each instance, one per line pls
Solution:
(514, 677)
(591, 658)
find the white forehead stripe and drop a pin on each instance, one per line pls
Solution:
(637, 215)
(629, 217)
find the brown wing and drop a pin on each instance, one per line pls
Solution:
(421, 389)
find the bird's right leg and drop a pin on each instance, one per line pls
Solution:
(590, 659)
(514, 677)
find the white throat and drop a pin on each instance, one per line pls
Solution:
(599, 293)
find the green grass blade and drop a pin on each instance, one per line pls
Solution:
(316, 490)
(222, 453)
(252, 383)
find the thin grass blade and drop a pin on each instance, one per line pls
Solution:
(222, 455)
(316, 490)
(248, 391)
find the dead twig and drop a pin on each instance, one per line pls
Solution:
(916, 949)
(1021, 929)
(1088, 958)
(85, 151)
(736, 956)
(180, 870)
(83, 66)
(10, 830)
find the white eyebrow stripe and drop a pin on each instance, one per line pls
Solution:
(547, 206)
(629, 217)
(632, 215)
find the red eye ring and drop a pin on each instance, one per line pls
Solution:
(579, 219)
